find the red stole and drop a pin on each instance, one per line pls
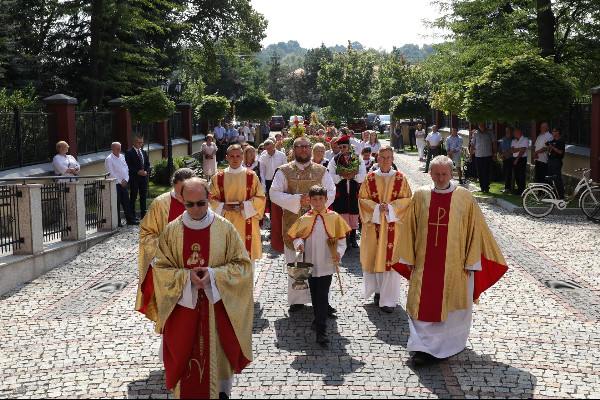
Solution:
(249, 181)
(391, 227)
(186, 337)
(175, 210)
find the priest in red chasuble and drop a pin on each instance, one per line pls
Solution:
(203, 289)
(238, 196)
(450, 256)
(383, 200)
(164, 209)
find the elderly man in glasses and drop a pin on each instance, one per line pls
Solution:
(203, 289)
(238, 196)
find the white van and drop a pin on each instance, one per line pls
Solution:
(293, 118)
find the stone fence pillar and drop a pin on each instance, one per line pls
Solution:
(30, 220)
(110, 208)
(75, 211)
(124, 131)
(163, 136)
(595, 134)
(186, 118)
(65, 127)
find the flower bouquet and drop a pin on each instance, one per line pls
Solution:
(286, 145)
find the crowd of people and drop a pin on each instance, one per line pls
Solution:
(199, 244)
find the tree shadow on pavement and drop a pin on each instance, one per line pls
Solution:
(333, 363)
(475, 375)
(149, 387)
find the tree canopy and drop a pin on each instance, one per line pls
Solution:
(255, 105)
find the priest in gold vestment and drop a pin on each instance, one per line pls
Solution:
(238, 196)
(383, 200)
(289, 192)
(164, 209)
(203, 290)
(450, 256)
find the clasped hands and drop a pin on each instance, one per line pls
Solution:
(384, 207)
(232, 206)
(304, 201)
(200, 277)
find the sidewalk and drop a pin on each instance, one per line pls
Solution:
(72, 332)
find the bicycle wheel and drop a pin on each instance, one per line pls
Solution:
(533, 204)
(591, 204)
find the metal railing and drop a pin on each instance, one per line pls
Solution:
(145, 130)
(25, 179)
(24, 138)
(96, 130)
(10, 235)
(54, 211)
(175, 125)
(93, 204)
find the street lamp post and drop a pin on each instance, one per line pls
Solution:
(164, 85)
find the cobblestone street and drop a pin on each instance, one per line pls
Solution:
(73, 332)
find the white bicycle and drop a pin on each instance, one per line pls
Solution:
(539, 199)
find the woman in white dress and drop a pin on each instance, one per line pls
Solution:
(373, 142)
(65, 164)
(209, 153)
(420, 135)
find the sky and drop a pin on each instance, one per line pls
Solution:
(374, 23)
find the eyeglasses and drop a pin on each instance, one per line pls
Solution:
(200, 203)
(303, 146)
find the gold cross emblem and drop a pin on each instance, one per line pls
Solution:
(441, 216)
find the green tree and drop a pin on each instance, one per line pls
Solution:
(213, 107)
(313, 62)
(255, 105)
(346, 82)
(523, 88)
(410, 105)
(276, 74)
(391, 80)
(151, 105)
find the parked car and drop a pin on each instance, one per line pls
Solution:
(384, 123)
(358, 125)
(276, 123)
(370, 120)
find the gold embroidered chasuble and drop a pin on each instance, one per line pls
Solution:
(235, 187)
(298, 182)
(233, 277)
(458, 225)
(151, 227)
(379, 242)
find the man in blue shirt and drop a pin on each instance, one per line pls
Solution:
(219, 134)
(505, 154)
(232, 136)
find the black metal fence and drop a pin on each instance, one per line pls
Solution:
(24, 138)
(147, 131)
(175, 125)
(96, 130)
(10, 235)
(93, 204)
(54, 211)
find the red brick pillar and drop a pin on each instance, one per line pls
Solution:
(124, 133)
(454, 120)
(186, 117)
(64, 127)
(439, 118)
(500, 129)
(162, 134)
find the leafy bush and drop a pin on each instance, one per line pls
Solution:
(160, 170)
(411, 105)
(255, 105)
(213, 107)
(152, 105)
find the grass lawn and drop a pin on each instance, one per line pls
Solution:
(154, 190)
(496, 192)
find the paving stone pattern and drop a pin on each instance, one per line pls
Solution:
(72, 332)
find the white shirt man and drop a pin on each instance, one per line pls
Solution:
(269, 164)
(540, 143)
(117, 167)
(434, 138)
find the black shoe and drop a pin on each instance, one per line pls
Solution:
(460, 181)
(387, 309)
(296, 307)
(331, 310)
(322, 338)
(133, 222)
(421, 359)
(223, 396)
(376, 299)
(353, 239)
